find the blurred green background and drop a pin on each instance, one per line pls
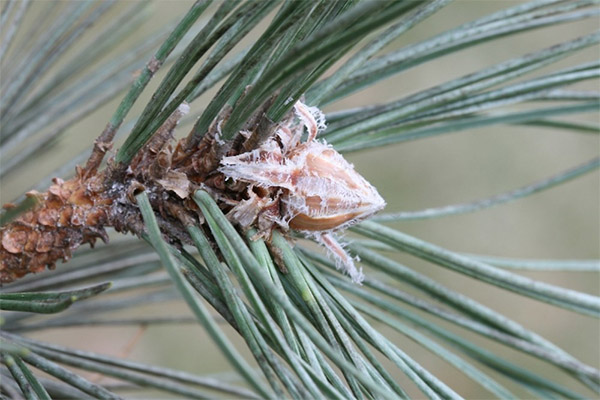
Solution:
(562, 223)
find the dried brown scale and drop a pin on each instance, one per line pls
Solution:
(259, 127)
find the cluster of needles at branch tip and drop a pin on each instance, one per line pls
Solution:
(264, 178)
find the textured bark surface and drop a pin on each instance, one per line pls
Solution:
(78, 211)
(68, 215)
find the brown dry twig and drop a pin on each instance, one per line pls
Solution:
(264, 178)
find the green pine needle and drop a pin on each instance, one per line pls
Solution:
(288, 322)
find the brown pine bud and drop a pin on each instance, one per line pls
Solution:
(67, 215)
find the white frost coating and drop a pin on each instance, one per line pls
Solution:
(320, 191)
(342, 260)
(184, 108)
(245, 134)
(288, 138)
(319, 118)
(312, 118)
(219, 133)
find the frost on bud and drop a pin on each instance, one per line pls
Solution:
(326, 193)
(342, 259)
(318, 190)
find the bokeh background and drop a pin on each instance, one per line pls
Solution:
(562, 223)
